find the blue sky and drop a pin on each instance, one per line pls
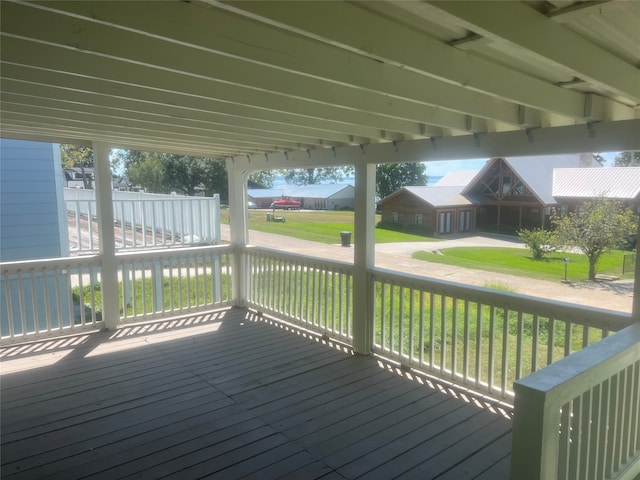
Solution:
(439, 169)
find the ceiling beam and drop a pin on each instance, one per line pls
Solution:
(101, 42)
(23, 79)
(273, 54)
(110, 109)
(408, 48)
(523, 26)
(85, 65)
(597, 137)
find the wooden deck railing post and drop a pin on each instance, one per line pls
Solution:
(106, 234)
(364, 257)
(534, 453)
(238, 211)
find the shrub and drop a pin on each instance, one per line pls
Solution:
(539, 241)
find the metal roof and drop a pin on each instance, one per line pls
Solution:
(440, 196)
(536, 172)
(460, 178)
(622, 183)
(300, 191)
(299, 80)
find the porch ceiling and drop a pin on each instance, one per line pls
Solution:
(231, 79)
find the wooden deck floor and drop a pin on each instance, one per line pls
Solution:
(233, 395)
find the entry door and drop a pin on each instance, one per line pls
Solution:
(444, 223)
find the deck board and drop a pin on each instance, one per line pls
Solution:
(233, 394)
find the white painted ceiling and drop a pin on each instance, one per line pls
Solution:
(229, 79)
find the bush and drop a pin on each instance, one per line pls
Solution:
(539, 241)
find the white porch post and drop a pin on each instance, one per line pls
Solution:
(635, 309)
(106, 234)
(238, 211)
(364, 256)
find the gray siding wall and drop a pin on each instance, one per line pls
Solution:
(32, 219)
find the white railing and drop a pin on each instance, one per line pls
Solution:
(312, 292)
(171, 282)
(41, 298)
(484, 339)
(580, 417)
(144, 220)
(53, 297)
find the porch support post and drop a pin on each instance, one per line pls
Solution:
(364, 257)
(635, 310)
(106, 234)
(238, 212)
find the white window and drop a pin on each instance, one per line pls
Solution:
(394, 217)
(418, 219)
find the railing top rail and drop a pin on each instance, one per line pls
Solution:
(44, 263)
(611, 319)
(296, 257)
(569, 377)
(172, 251)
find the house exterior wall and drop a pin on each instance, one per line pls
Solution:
(33, 225)
(32, 216)
(407, 209)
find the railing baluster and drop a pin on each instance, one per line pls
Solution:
(411, 325)
(422, 327)
(443, 333)
(454, 337)
(400, 322)
(505, 353)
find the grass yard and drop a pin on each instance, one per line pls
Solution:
(318, 226)
(515, 261)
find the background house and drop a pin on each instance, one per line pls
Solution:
(331, 196)
(573, 186)
(508, 194)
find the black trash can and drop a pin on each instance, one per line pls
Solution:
(346, 239)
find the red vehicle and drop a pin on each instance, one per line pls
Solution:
(286, 204)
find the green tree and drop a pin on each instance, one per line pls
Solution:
(312, 176)
(264, 178)
(78, 156)
(393, 176)
(628, 159)
(601, 225)
(149, 174)
(539, 241)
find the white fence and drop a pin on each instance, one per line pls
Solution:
(41, 298)
(312, 292)
(143, 220)
(484, 339)
(53, 297)
(580, 417)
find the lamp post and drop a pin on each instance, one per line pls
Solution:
(566, 263)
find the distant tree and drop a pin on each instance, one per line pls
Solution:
(628, 159)
(264, 178)
(311, 176)
(393, 176)
(602, 225)
(77, 156)
(149, 174)
(122, 159)
(164, 172)
(539, 241)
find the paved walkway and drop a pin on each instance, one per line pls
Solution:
(397, 256)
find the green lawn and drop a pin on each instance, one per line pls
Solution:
(518, 262)
(319, 226)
